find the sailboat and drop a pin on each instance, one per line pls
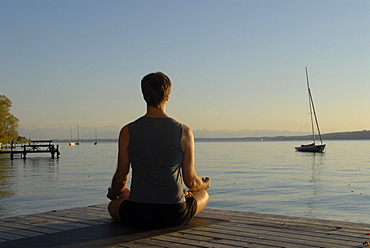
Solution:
(96, 138)
(71, 143)
(78, 136)
(313, 147)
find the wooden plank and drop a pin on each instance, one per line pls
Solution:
(88, 212)
(138, 245)
(151, 243)
(81, 215)
(48, 223)
(271, 217)
(6, 234)
(327, 227)
(20, 232)
(339, 230)
(67, 218)
(33, 228)
(245, 239)
(181, 240)
(338, 234)
(293, 239)
(244, 229)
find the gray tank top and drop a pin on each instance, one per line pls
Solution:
(156, 160)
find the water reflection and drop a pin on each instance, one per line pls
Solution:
(316, 162)
(6, 175)
(25, 177)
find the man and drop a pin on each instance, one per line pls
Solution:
(160, 151)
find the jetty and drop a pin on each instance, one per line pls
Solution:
(92, 227)
(33, 146)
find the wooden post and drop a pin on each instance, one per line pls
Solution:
(11, 151)
(58, 153)
(24, 152)
(52, 150)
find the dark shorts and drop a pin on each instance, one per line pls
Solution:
(150, 215)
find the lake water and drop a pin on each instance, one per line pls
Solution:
(265, 177)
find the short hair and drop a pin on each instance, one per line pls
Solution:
(156, 87)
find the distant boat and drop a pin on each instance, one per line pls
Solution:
(312, 147)
(71, 143)
(78, 136)
(96, 138)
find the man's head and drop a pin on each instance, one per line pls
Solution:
(156, 88)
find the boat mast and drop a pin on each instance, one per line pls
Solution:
(78, 133)
(310, 104)
(312, 109)
(96, 137)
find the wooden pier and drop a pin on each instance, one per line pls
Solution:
(92, 227)
(34, 146)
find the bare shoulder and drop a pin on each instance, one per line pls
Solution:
(186, 132)
(124, 134)
(187, 138)
(124, 129)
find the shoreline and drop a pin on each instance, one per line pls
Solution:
(356, 135)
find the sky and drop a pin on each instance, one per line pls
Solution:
(234, 65)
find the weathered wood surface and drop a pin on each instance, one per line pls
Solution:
(240, 229)
(25, 226)
(246, 229)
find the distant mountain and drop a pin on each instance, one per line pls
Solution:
(204, 133)
(354, 135)
(112, 132)
(364, 134)
(109, 132)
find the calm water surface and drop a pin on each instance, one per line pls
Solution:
(266, 177)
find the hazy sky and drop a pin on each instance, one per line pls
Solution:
(234, 64)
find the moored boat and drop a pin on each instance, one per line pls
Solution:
(312, 147)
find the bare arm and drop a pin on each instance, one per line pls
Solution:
(191, 178)
(120, 177)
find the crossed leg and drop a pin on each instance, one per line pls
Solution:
(113, 206)
(201, 196)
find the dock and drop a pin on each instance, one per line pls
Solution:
(92, 227)
(34, 146)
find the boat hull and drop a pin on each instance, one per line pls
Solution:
(311, 148)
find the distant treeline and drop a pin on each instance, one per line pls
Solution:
(356, 135)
